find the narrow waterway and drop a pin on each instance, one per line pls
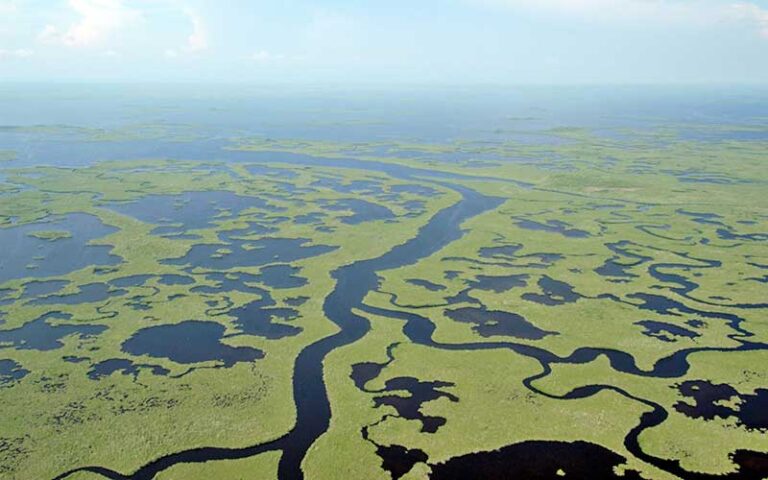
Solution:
(353, 283)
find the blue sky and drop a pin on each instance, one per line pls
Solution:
(386, 41)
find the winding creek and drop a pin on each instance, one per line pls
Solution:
(355, 281)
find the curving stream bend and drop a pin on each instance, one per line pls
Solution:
(353, 283)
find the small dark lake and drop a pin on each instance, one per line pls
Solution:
(26, 255)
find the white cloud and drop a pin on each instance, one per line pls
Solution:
(98, 19)
(8, 7)
(699, 12)
(754, 14)
(198, 39)
(17, 53)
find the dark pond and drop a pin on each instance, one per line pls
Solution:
(505, 251)
(419, 392)
(124, 366)
(665, 332)
(91, 292)
(10, 371)
(188, 210)
(172, 279)
(259, 252)
(309, 218)
(421, 190)
(489, 323)
(702, 217)
(536, 460)
(44, 287)
(131, 281)
(728, 234)
(368, 187)
(39, 334)
(434, 287)
(612, 268)
(261, 170)
(709, 402)
(253, 228)
(229, 282)
(361, 210)
(498, 284)
(554, 226)
(27, 256)
(281, 276)
(254, 319)
(554, 291)
(398, 460)
(451, 274)
(697, 176)
(191, 341)
(296, 301)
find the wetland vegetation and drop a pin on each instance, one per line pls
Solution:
(378, 297)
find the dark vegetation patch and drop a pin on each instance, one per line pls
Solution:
(12, 452)
(71, 414)
(52, 384)
(142, 404)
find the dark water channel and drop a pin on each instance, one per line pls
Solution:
(353, 283)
